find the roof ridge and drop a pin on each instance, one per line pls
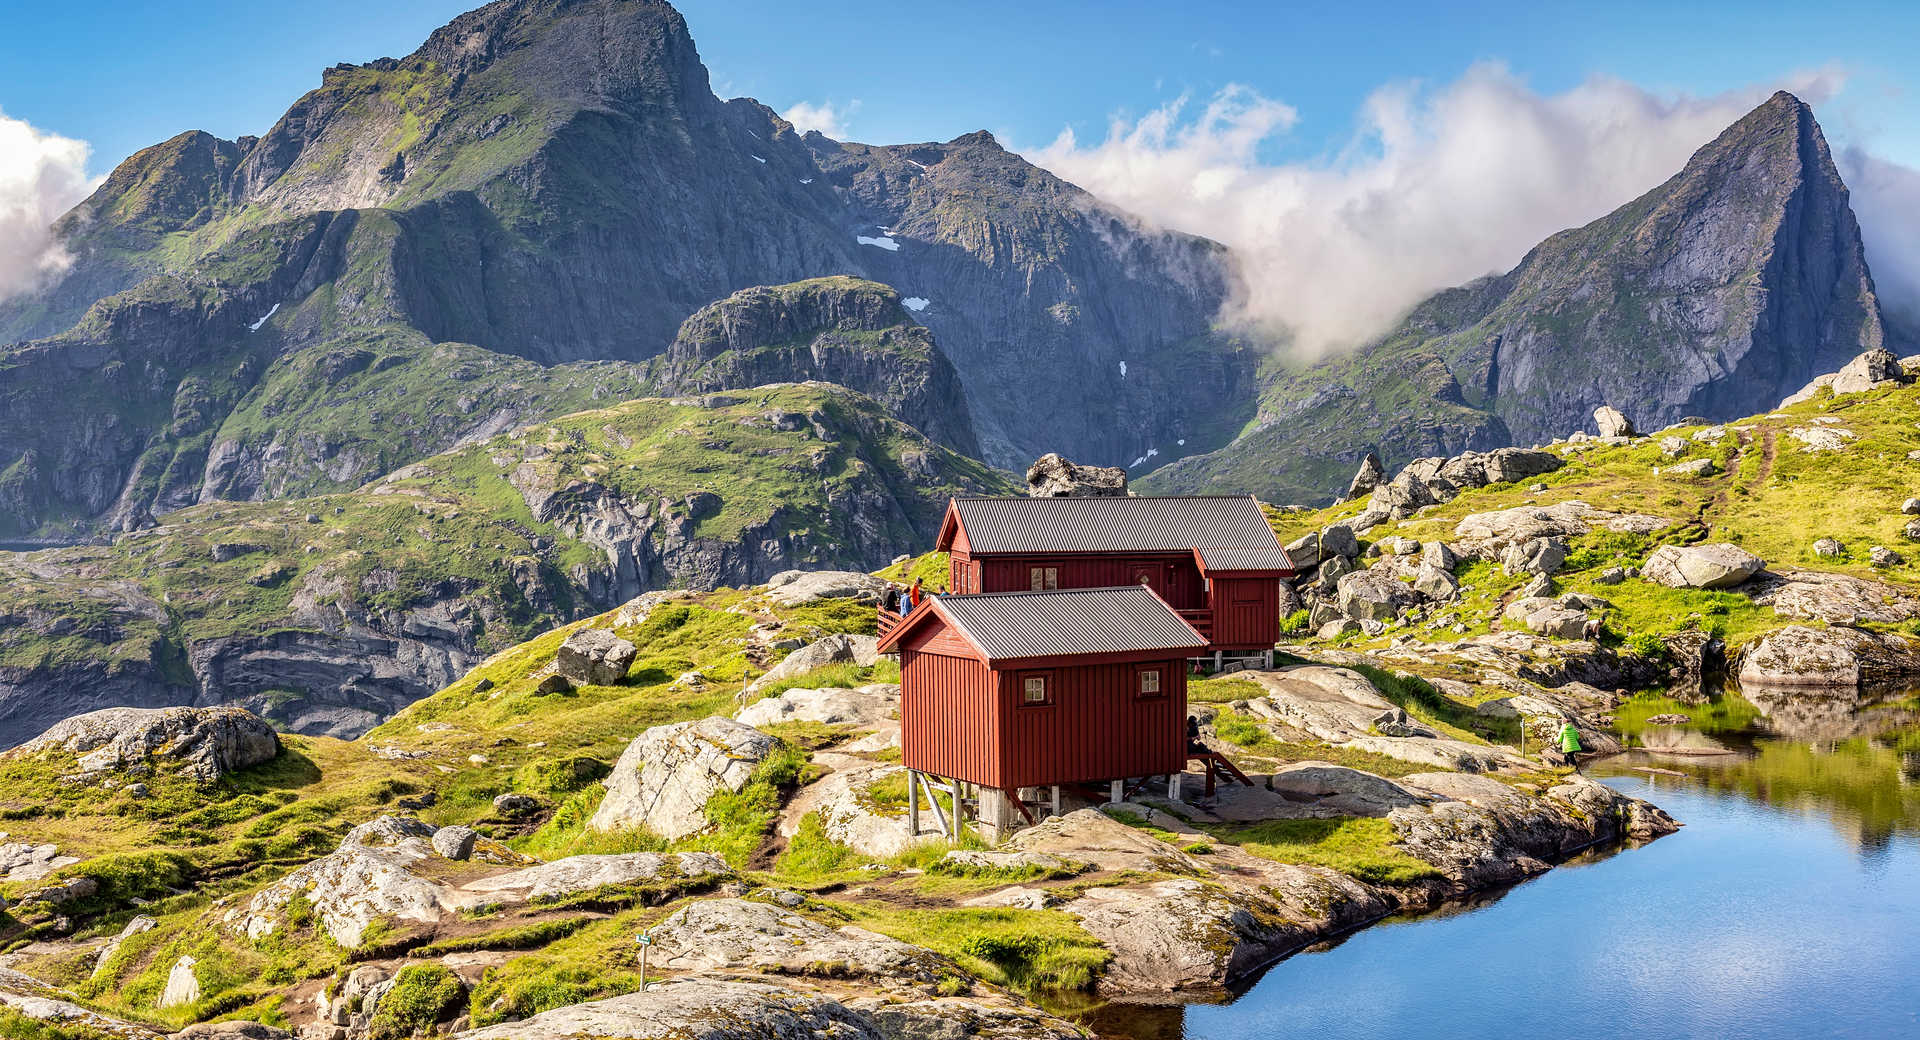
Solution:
(1038, 592)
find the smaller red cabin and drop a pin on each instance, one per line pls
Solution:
(1035, 689)
(1212, 558)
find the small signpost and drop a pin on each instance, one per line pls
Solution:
(643, 940)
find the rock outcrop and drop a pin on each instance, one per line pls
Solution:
(204, 743)
(863, 706)
(797, 588)
(596, 656)
(1051, 476)
(1840, 657)
(750, 935)
(840, 648)
(665, 777)
(1717, 566)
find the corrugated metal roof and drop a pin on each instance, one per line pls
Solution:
(1170, 524)
(1215, 558)
(1127, 619)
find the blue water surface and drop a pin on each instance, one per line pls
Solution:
(1755, 920)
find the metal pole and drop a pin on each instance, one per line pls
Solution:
(644, 940)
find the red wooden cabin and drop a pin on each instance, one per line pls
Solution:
(1213, 558)
(1042, 689)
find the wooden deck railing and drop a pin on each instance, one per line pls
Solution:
(888, 622)
(1201, 620)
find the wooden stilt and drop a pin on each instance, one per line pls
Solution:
(1118, 791)
(913, 803)
(1056, 799)
(934, 803)
(959, 814)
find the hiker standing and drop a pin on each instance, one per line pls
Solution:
(1569, 741)
(891, 601)
(914, 594)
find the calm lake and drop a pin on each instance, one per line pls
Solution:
(1788, 906)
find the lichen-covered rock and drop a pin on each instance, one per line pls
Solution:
(595, 656)
(1374, 595)
(1717, 566)
(1166, 935)
(1486, 535)
(851, 816)
(454, 842)
(1369, 476)
(665, 777)
(183, 986)
(1870, 371)
(205, 743)
(798, 588)
(575, 874)
(1092, 837)
(1837, 599)
(1341, 791)
(749, 935)
(1051, 476)
(839, 648)
(864, 706)
(1801, 656)
(1485, 832)
(370, 876)
(22, 862)
(1611, 422)
(30, 998)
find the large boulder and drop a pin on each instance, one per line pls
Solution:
(744, 935)
(1051, 476)
(204, 743)
(595, 656)
(850, 815)
(373, 875)
(839, 648)
(1869, 371)
(1611, 422)
(1374, 595)
(665, 777)
(1436, 584)
(1370, 475)
(864, 706)
(1487, 535)
(1717, 566)
(798, 588)
(1535, 556)
(1798, 655)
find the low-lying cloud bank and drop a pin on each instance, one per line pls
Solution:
(42, 175)
(1434, 189)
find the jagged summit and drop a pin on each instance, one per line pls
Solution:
(1715, 294)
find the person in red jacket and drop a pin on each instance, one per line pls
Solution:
(914, 595)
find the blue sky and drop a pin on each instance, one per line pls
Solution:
(1354, 162)
(122, 74)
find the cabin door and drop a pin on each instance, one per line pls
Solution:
(1160, 577)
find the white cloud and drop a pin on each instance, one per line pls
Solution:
(824, 117)
(42, 175)
(1435, 188)
(1886, 198)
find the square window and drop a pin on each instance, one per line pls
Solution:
(1150, 682)
(1041, 579)
(1034, 689)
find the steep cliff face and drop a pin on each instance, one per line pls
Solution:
(330, 613)
(554, 180)
(1714, 295)
(848, 331)
(1061, 313)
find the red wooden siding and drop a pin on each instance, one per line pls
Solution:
(1246, 613)
(1173, 575)
(949, 717)
(1095, 727)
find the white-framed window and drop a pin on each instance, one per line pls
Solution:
(1149, 682)
(1034, 688)
(1042, 578)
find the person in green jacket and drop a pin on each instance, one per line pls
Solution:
(1569, 741)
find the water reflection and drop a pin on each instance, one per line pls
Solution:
(1788, 906)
